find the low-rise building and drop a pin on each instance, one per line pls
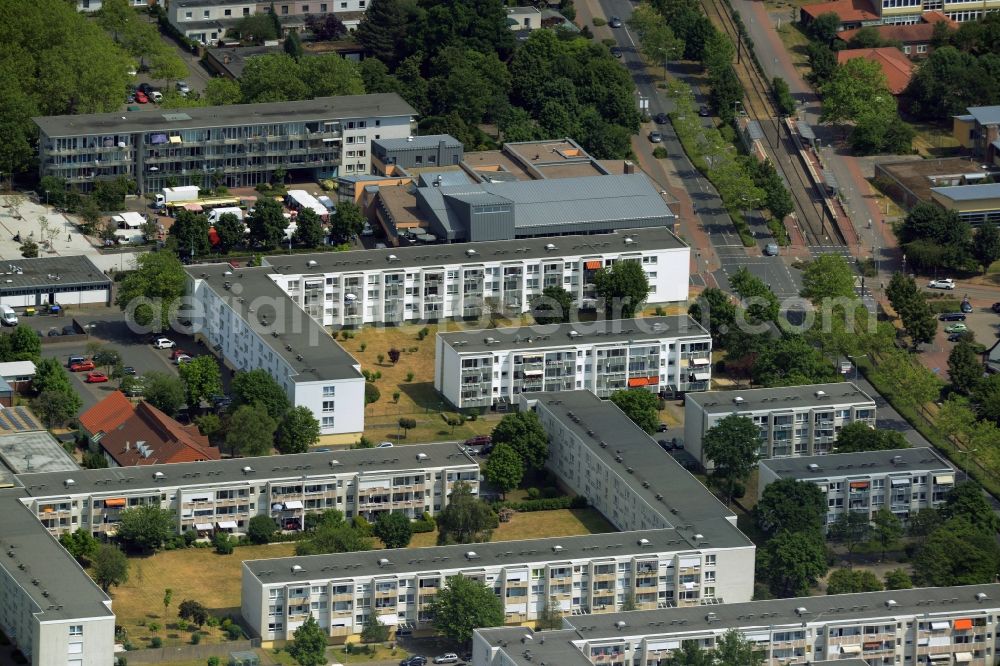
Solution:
(666, 355)
(524, 18)
(581, 574)
(222, 495)
(150, 437)
(410, 152)
(897, 68)
(974, 204)
(433, 282)
(901, 480)
(18, 374)
(70, 280)
(246, 318)
(915, 39)
(793, 420)
(943, 625)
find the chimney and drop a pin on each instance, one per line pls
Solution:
(225, 60)
(126, 446)
(629, 167)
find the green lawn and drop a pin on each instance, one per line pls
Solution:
(537, 525)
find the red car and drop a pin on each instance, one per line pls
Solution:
(82, 366)
(178, 352)
(96, 378)
(141, 97)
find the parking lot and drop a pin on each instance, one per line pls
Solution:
(109, 328)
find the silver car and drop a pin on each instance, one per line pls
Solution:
(655, 136)
(771, 250)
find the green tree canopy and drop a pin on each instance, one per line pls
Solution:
(847, 581)
(986, 245)
(623, 287)
(465, 519)
(856, 87)
(965, 367)
(297, 431)
(553, 306)
(968, 501)
(851, 528)
(56, 407)
(957, 553)
(251, 431)
(231, 230)
(504, 468)
(639, 405)
(163, 391)
(791, 505)
(191, 233)
(465, 604)
(81, 544)
(394, 529)
(110, 567)
(828, 276)
(308, 228)
(859, 436)
(149, 294)
(898, 579)
(525, 434)
(347, 222)
(334, 538)
(760, 302)
(259, 387)
(261, 529)
(308, 646)
(146, 527)
(735, 649)
(373, 630)
(791, 361)
(886, 529)
(201, 378)
(791, 562)
(267, 222)
(732, 445)
(715, 310)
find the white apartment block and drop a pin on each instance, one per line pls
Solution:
(250, 324)
(207, 21)
(433, 282)
(793, 420)
(902, 480)
(223, 495)
(937, 626)
(50, 609)
(582, 574)
(664, 355)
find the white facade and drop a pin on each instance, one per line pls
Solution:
(206, 22)
(793, 420)
(668, 355)
(584, 574)
(209, 496)
(17, 372)
(943, 626)
(902, 480)
(457, 281)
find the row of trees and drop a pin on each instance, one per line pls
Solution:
(519, 445)
(933, 237)
(913, 309)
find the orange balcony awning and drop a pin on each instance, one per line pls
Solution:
(859, 484)
(115, 501)
(962, 625)
(593, 265)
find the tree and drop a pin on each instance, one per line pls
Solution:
(957, 553)
(965, 368)
(201, 379)
(222, 92)
(858, 436)
(553, 306)
(886, 529)
(525, 434)
(308, 228)
(346, 222)
(259, 387)
(791, 563)
(760, 302)
(733, 446)
(373, 631)
(923, 522)
(29, 249)
(251, 431)
(297, 431)
(828, 276)
(193, 611)
(851, 529)
(267, 222)
(230, 230)
(191, 231)
(898, 579)
(465, 604)
(639, 405)
(714, 309)
(105, 358)
(146, 527)
(986, 244)
(383, 30)
(734, 649)
(824, 27)
(919, 321)
(110, 567)
(623, 287)
(465, 519)
(81, 544)
(550, 615)
(256, 28)
(690, 654)
(968, 501)
(914, 383)
(326, 27)
(163, 391)
(222, 543)
(293, 45)
(394, 355)
(658, 42)
(168, 596)
(209, 425)
(985, 396)
(261, 529)
(333, 538)
(148, 294)
(504, 468)
(848, 581)
(56, 407)
(50, 375)
(394, 529)
(406, 423)
(791, 505)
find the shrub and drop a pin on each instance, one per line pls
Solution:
(223, 543)
(364, 346)
(156, 642)
(395, 396)
(190, 537)
(213, 661)
(195, 638)
(423, 333)
(234, 632)
(372, 393)
(533, 493)
(660, 153)
(153, 627)
(546, 504)
(598, 22)
(212, 621)
(182, 624)
(424, 524)
(410, 376)
(122, 660)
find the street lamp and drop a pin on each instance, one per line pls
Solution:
(965, 468)
(855, 364)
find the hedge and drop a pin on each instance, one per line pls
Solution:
(564, 502)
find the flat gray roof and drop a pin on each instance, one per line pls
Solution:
(561, 335)
(985, 115)
(70, 591)
(314, 354)
(266, 468)
(47, 272)
(437, 558)
(381, 105)
(857, 464)
(680, 498)
(969, 192)
(421, 256)
(779, 398)
(840, 608)
(35, 452)
(415, 142)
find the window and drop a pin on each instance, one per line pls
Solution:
(327, 422)
(329, 391)
(921, 48)
(305, 9)
(328, 406)
(228, 12)
(188, 15)
(76, 630)
(206, 14)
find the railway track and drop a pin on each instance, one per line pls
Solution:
(758, 104)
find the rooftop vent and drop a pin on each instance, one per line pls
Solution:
(897, 460)
(629, 240)
(69, 482)
(312, 263)
(981, 596)
(711, 617)
(470, 252)
(471, 555)
(392, 257)
(801, 610)
(383, 562)
(159, 475)
(813, 467)
(334, 462)
(248, 470)
(421, 456)
(550, 246)
(820, 394)
(557, 549)
(699, 537)
(643, 542)
(574, 334)
(620, 624)
(738, 400)
(296, 568)
(890, 603)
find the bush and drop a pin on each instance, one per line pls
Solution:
(660, 153)
(234, 632)
(423, 333)
(547, 504)
(425, 524)
(212, 621)
(156, 642)
(533, 493)
(598, 21)
(213, 661)
(223, 543)
(409, 376)
(372, 394)
(195, 638)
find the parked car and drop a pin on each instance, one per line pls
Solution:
(68, 330)
(966, 305)
(661, 119)
(446, 658)
(615, 22)
(704, 111)
(616, 52)
(128, 370)
(956, 328)
(75, 359)
(144, 88)
(662, 427)
(53, 333)
(479, 440)
(995, 307)
(177, 351)
(82, 366)
(955, 337)
(164, 343)
(384, 445)
(771, 250)
(96, 378)
(156, 96)
(665, 444)
(943, 283)
(183, 88)
(655, 136)
(415, 660)
(952, 316)
(182, 359)
(141, 98)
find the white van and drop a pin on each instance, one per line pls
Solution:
(7, 316)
